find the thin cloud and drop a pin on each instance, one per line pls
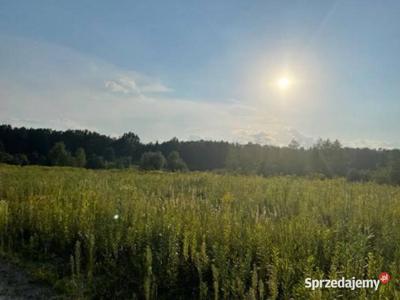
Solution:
(147, 84)
(156, 87)
(122, 85)
(139, 85)
(88, 93)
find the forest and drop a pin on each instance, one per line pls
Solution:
(83, 148)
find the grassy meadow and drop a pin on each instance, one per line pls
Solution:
(143, 235)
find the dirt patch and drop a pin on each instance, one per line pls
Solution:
(15, 284)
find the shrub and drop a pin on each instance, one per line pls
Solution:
(175, 162)
(6, 158)
(80, 157)
(96, 162)
(152, 161)
(357, 175)
(59, 156)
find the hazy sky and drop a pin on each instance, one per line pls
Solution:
(205, 69)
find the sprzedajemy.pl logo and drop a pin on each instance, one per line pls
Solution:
(344, 283)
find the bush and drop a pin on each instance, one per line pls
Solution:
(59, 156)
(123, 162)
(152, 161)
(381, 176)
(357, 175)
(80, 157)
(96, 162)
(20, 159)
(395, 172)
(6, 158)
(175, 162)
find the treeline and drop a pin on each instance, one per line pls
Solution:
(83, 148)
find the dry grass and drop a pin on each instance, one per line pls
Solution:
(126, 234)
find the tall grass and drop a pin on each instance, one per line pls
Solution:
(127, 235)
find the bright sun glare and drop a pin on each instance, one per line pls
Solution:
(283, 83)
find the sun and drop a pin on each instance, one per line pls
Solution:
(283, 83)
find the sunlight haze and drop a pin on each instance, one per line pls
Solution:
(160, 69)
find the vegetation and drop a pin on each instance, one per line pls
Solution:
(152, 161)
(82, 148)
(175, 162)
(127, 234)
(59, 156)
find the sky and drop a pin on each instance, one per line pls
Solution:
(205, 69)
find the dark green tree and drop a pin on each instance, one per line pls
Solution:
(58, 155)
(109, 154)
(395, 167)
(20, 159)
(128, 145)
(357, 175)
(6, 158)
(152, 161)
(80, 157)
(123, 162)
(175, 162)
(95, 162)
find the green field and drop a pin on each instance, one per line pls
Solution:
(129, 234)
